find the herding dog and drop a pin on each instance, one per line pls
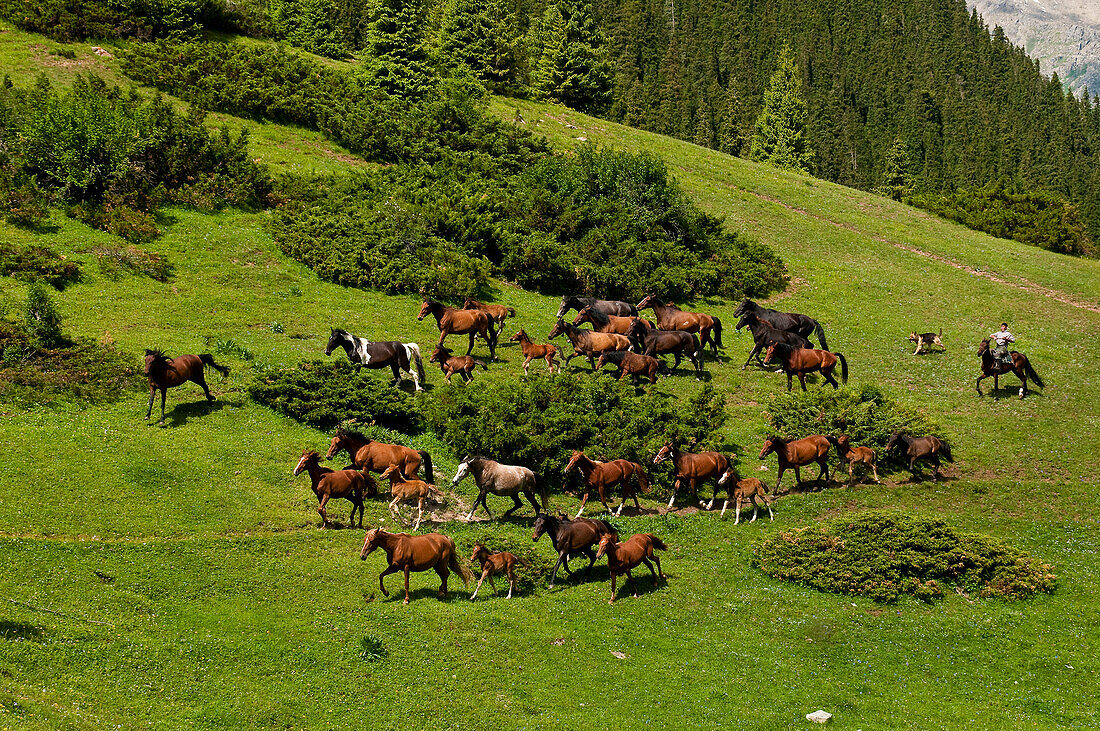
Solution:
(929, 339)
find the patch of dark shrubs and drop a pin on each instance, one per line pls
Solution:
(114, 261)
(73, 20)
(38, 264)
(884, 554)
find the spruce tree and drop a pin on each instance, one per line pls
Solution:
(780, 137)
(570, 60)
(896, 180)
(483, 36)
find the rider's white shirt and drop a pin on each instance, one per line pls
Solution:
(1003, 338)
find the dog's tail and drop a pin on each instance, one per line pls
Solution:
(511, 312)
(819, 331)
(208, 359)
(1032, 374)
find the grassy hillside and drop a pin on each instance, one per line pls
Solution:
(177, 578)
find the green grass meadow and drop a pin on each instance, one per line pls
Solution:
(177, 577)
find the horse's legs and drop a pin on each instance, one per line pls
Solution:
(163, 399)
(737, 510)
(755, 508)
(527, 362)
(200, 379)
(554, 573)
(755, 351)
(789, 384)
(725, 503)
(420, 513)
(530, 495)
(591, 560)
(660, 571)
(396, 510)
(633, 586)
(444, 572)
(511, 582)
(152, 395)
(935, 466)
(406, 586)
(779, 478)
(851, 473)
(470, 515)
(875, 471)
(694, 488)
(978, 383)
(484, 573)
(797, 476)
(824, 470)
(471, 348)
(603, 497)
(675, 488)
(583, 501)
(321, 510)
(391, 569)
(612, 600)
(996, 384)
(514, 508)
(649, 565)
(802, 379)
(494, 585)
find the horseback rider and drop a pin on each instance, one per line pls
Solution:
(1003, 337)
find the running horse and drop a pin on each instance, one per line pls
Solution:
(854, 455)
(794, 322)
(602, 323)
(491, 476)
(670, 317)
(498, 313)
(991, 366)
(164, 373)
(763, 335)
(607, 307)
(387, 353)
(352, 485)
(696, 468)
(571, 537)
(800, 361)
(451, 321)
(587, 343)
(532, 350)
(929, 448)
(605, 475)
(371, 456)
(797, 454)
(415, 553)
(679, 344)
(625, 556)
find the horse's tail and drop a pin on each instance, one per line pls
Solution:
(834, 441)
(697, 344)
(370, 487)
(657, 542)
(426, 460)
(1032, 374)
(945, 449)
(643, 480)
(540, 487)
(843, 367)
(820, 333)
(459, 567)
(412, 350)
(481, 363)
(718, 332)
(609, 529)
(511, 312)
(208, 359)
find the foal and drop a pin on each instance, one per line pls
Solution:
(493, 564)
(635, 365)
(535, 350)
(853, 456)
(744, 491)
(404, 489)
(622, 557)
(463, 365)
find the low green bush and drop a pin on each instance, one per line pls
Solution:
(114, 261)
(73, 20)
(38, 264)
(883, 554)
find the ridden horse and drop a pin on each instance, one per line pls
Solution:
(670, 317)
(652, 342)
(450, 321)
(327, 484)
(415, 553)
(743, 491)
(607, 307)
(800, 361)
(570, 537)
(764, 335)
(602, 323)
(164, 373)
(387, 353)
(793, 322)
(622, 557)
(405, 490)
(853, 456)
(605, 475)
(797, 454)
(991, 366)
(929, 448)
(371, 456)
(498, 313)
(588, 343)
(634, 365)
(535, 350)
(493, 564)
(491, 476)
(696, 468)
(450, 364)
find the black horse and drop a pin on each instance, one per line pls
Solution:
(389, 353)
(764, 335)
(804, 325)
(607, 307)
(929, 448)
(570, 537)
(678, 343)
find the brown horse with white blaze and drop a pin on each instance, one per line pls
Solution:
(800, 361)
(371, 456)
(605, 475)
(415, 553)
(670, 317)
(797, 454)
(623, 557)
(696, 468)
(351, 485)
(451, 321)
(164, 373)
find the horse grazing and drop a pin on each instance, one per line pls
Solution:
(587, 343)
(570, 537)
(415, 553)
(450, 364)
(500, 479)
(797, 454)
(498, 313)
(406, 490)
(602, 323)
(327, 484)
(696, 468)
(396, 356)
(607, 307)
(764, 335)
(535, 350)
(929, 448)
(653, 342)
(634, 365)
(789, 321)
(493, 564)
(800, 361)
(670, 317)
(605, 475)
(164, 373)
(474, 323)
(854, 455)
(371, 456)
(991, 366)
(622, 557)
(743, 491)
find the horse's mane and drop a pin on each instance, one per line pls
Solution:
(775, 439)
(598, 317)
(159, 362)
(341, 431)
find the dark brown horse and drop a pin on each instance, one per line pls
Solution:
(743, 491)
(679, 344)
(670, 317)
(854, 455)
(608, 307)
(798, 454)
(794, 322)
(622, 557)
(602, 323)
(533, 350)
(800, 361)
(587, 343)
(498, 313)
(451, 364)
(633, 364)
(991, 366)
(571, 537)
(493, 564)
(695, 467)
(474, 323)
(372, 456)
(327, 484)
(164, 373)
(927, 448)
(605, 475)
(763, 335)
(415, 553)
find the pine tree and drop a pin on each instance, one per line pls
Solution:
(43, 321)
(780, 137)
(484, 37)
(571, 60)
(400, 61)
(731, 132)
(896, 180)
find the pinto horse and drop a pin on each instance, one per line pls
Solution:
(164, 373)
(327, 484)
(451, 364)
(605, 475)
(371, 456)
(670, 317)
(491, 476)
(602, 323)
(474, 323)
(415, 553)
(800, 361)
(764, 335)
(387, 353)
(991, 366)
(696, 468)
(793, 322)
(929, 448)
(798, 454)
(587, 343)
(853, 456)
(570, 537)
(633, 364)
(533, 350)
(607, 307)
(498, 313)
(660, 342)
(622, 557)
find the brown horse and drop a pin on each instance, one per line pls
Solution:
(743, 491)
(588, 343)
(415, 553)
(498, 313)
(533, 350)
(570, 537)
(800, 361)
(327, 484)
(696, 468)
(635, 365)
(450, 364)
(605, 475)
(164, 373)
(1021, 366)
(406, 490)
(670, 317)
(474, 323)
(602, 323)
(493, 564)
(854, 455)
(371, 456)
(798, 454)
(929, 448)
(622, 557)
(659, 342)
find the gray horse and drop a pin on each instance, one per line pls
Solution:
(500, 479)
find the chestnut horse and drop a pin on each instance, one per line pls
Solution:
(588, 343)
(1021, 366)
(474, 323)
(929, 448)
(797, 454)
(800, 361)
(498, 313)
(605, 475)
(415, 553)
(164, 373)
(371, 456)
(670, 317)
(633, 364)
(602, 323)
(328, 484)
(570, 537)
(406, 490)
(533, 350)
(622, 557)
(608, 307)
(451, 364)
(659, 342)
(743, 491)
(693, 467)
(853, 456)
(493, 564)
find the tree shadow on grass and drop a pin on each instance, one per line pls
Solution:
(16, 631)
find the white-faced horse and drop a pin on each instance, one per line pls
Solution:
(501, 479)
(390, 353)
